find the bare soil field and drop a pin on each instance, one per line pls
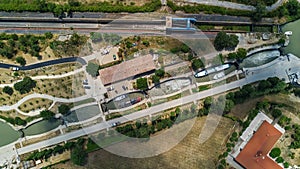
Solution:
(189, 153)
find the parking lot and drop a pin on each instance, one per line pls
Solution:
(109, 55)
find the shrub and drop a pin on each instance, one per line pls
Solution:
(275, 152)
(8, 90)
(279, 160)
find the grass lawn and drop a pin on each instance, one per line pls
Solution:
(204, 87)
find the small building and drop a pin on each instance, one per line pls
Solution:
(255, 153)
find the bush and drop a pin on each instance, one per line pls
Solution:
(196, 64)
(8, 90)
(275, 152)
(160, 73)
(21, 60)
(63, 109)
(276, 113)
(279, 160)
(142, 83)
(78, 155)
(47, 114)
(286, 165)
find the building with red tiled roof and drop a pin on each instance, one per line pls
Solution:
(255, 154)
(127, 69)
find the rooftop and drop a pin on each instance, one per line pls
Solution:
(126, 69)
(255, 153)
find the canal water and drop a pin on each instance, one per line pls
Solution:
(83, 114)
(42, 127)
(8, 134)
(260, 58)
(293, 47)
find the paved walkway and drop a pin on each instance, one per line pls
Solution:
(233, 5)
(44, 96)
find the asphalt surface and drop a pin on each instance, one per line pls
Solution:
(43, 64)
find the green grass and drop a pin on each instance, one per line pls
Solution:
(204, 87)
(177, 96)
(89, 100)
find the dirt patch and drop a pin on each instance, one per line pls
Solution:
(242, 110)
(189, 153)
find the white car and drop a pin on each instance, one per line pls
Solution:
(15, 68)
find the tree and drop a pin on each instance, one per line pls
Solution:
(224, 41)
(25, 86)
(96, 36)
(275, 152)
(8, 90)
(185, 48)
(78, 155)
(229, 104)
(232, 43)
(47, 114)
(21, 60)
(259, 12)
(220, 41)
(196, 64)
(155, 79)
(292, 7)
(146, 43)
(276, 113)
(241, 54)
(58, 11)
(20, 121)
(142, 83)
(63, 109)
(160, 73)
(93, 69)
(48, 35)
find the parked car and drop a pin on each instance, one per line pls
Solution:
(87, 87)
(15, 68)
(111, 88)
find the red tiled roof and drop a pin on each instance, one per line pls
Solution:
(126, 69)
(254, 154)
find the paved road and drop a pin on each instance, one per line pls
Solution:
(46, 63)
(277, 69)
(233, 5)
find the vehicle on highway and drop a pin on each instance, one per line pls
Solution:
(115, 124)
(15, 68)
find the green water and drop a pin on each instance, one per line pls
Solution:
(83, 114)
(42, 127)
(8, 134)
(293, 47)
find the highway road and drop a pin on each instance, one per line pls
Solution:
(276, 68)
(46, 63)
